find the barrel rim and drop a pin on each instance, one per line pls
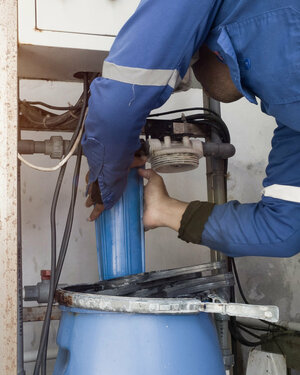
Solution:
(123, 304)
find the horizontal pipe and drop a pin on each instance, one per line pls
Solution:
(37, 313)
(56, 147)
(218, 150)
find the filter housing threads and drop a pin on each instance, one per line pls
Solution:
(174, 156)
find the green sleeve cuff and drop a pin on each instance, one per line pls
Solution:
(193, 221)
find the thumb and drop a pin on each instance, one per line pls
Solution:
(147, 173)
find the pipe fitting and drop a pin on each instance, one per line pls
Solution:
(40, 291)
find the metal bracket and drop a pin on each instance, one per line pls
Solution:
(268, 313)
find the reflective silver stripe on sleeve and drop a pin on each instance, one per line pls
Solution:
(140, 76)
(284, 192)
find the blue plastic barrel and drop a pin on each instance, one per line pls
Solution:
(114, 343)
(120, 233)
(104, 335)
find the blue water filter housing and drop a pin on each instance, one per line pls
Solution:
(120, 233)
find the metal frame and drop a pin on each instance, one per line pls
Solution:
(217, 193)
(8, 187)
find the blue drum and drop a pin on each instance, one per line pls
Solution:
(112, 335)
(104, 334)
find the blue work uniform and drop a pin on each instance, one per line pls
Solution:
(260, 43)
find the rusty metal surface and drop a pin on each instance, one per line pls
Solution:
(8, 187)
(128, 304)
(170, 306)
(176, 291)
(37, 313)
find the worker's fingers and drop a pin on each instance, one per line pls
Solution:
(138, 161)
(148, 173)
(98, 209)
(89, 202)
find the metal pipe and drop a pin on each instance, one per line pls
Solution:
(217, 193)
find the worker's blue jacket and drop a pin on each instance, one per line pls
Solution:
(260, 43)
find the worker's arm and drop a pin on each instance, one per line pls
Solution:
(149, 57)
(270, 227)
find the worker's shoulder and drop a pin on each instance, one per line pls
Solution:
(241, 11)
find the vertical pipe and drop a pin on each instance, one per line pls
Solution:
(217, 193)
(8, 187)
(120, 233)
(216, 179)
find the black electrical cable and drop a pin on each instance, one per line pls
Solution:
(65, 242)
(33, 115)
(215, 121)
(69, 223)
(237, 335)
(45, 329)
(66, 238)
(242, 340)
(58, 108)
(212, 117)
(183, 110)
(241, 326)
(44, 335)
(237, 278)
(50, 118)
(255, 328)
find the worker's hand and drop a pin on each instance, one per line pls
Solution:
(160, 210)
(94, 194)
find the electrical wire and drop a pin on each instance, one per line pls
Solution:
(41, 358)
(242, 327)
(236, 334)
(46, 119)
(54, 107)
(237, 278)
(69, 223)
(183, 110)
(213, 119)
(235, 327)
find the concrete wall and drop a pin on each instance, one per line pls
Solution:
(271, 281)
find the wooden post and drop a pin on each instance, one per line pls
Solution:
(8, 186)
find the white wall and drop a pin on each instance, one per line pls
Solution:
(265, 280)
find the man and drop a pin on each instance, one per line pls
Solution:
(249, 48)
